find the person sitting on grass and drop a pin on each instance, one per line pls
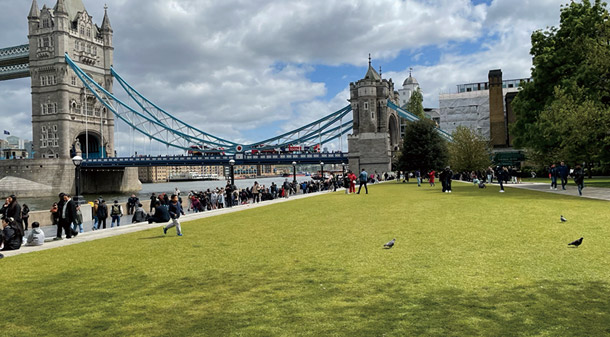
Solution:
(36, 236)
(12, 235)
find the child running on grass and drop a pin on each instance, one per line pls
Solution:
(175, 209)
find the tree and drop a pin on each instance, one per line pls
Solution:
(469, 151)
(574, 124)
(571, 69)
(416, 104)
(423, 147)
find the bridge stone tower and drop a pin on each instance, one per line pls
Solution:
(375, 137)
(67, 119)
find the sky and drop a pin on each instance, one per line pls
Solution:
(247, 70)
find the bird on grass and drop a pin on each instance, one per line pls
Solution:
(390, 244)
(576, 243)
(562, 218)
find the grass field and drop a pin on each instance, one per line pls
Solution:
(474, 262)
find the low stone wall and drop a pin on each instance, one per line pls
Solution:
(44, 217)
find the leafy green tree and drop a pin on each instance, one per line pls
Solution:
(572, 67)
(469, 151)
(423, 147)
(416, 104)
(573, 122)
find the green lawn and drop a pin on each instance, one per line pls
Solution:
(474, 262)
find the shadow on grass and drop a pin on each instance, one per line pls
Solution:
(217, 303)
(153, 237)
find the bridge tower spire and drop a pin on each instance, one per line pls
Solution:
(375, 136)
(66, 120)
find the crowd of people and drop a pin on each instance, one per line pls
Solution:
(15, 221)
(499, 174)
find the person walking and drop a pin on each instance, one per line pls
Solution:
(418, 177)
(67, 216)
(563, 172)
(116, 211)
(431, 176)
(363, 177)
(445, 178)
(579, 178)
(175, 209)
(553, 173)
(102, 214)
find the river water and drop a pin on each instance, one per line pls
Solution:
(44, 203)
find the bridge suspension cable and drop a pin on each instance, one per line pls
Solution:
(155, 123)
(412, 117)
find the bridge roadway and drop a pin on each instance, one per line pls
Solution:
(240, 159)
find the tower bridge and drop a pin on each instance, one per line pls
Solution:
(69, 60)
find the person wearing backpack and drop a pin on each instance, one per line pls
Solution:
(116, 211)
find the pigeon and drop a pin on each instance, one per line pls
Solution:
(390, 244)
(563, 219)
(575, 243)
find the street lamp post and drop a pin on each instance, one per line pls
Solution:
(322, 171)
(77, 161)
(294, 171)
(232, 163)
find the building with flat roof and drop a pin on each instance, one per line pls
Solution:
(483, 107)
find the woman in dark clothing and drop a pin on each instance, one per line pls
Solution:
(12, 234)
(14, 211)
(25, 215)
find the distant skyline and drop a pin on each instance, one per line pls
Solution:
(246, 71)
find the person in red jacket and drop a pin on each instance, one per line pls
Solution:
(431, 176)
(352, 182)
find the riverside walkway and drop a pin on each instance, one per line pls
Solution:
(89, 235)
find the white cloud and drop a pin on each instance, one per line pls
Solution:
(237, 65)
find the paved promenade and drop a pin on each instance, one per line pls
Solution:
(588, 192)
(88, 235)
